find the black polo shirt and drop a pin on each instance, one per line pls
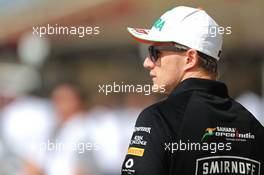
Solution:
(198, 129)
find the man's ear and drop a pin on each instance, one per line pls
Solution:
(191, 59)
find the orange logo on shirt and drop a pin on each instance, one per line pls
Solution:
(136, 151)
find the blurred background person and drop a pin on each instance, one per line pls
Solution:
(253, 103)
(62, 149)
(109, 127)
(26, 120)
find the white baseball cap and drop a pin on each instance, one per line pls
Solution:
(191, 27)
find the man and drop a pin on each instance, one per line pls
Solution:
(63, 150)
(198, 129)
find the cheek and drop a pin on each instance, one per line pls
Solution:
(171, 70)
(173, 67)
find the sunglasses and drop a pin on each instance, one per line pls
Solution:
(155, 51)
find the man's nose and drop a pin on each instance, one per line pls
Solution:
(148, 64)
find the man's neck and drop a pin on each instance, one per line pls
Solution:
(200, 74)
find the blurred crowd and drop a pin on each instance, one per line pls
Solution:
(62, 135)
(59, 134)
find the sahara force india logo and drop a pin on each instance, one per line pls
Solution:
(232, 134)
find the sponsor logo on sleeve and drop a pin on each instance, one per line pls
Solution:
(128, 165)
(227, 165)
(142, 129)
(136, 151)
(138, 140)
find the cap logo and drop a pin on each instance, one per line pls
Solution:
(141, 31)
(159, 24)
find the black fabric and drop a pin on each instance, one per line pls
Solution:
(198, 111)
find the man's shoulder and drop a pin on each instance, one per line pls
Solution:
(151, 111)
(171, 107)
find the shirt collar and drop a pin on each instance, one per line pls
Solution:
(197, 84)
